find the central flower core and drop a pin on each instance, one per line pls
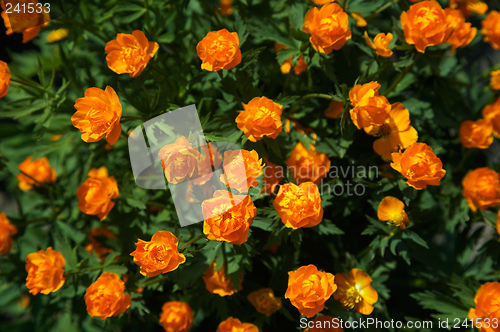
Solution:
(352, 297)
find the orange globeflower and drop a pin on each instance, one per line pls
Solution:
(98, 115)
(419, 165)
(334, 109)
(481, 188)
(491, 29)
(4, 78)
(392, 210)
(217, 283)
(23, 21)
(354, 291)
(424, 24)
(7, 231)
(264, 301)
(359, 19)
(396, 132)
(272, 177)
(235, 325)
(179, 160)
(309, 289)
(96, 193)
(487, 308)
(369, 108)
(159, 255)
(130, 54)
(233, 175)
(45, 271)
(463, 32)
(495, 80)
(299, 67)
(308, 165)
(226, 7)
(323, 324)
(380, 43)
(476, 134)
(261, 117)
(492, 113)
(328, 27)
(219, 50)
(467, 7)
(227, 220)
(105, 297)
(38, 170)
(299, 206)
(100, 250)
(176, 316)
(57, 35)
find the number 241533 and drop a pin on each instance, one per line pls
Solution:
(27, 8)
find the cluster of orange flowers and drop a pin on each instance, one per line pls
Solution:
(479, 134)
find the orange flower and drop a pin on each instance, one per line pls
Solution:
(235, 325)
(309, 289)
(354, 291)
(98, 115)
(38, 170)
(130, 54)
(380, 43)
(179, 160)
(226, 7)
(106, 298)
(159, 255)
(425, 24)
(492, 113)
(359, 19)
(272, 177)
(491, 29)
(217, 283)
(100, 250)
(299, 67)
(308, 165)
(392, 210)
(396, 132)
(467, 7)
(369, 109)
(4, 78)
(57, 35)
(476, 134)
(323, 324)
(233, 175)
(23, 21)
(481, 188)
(264, 301)
(219, 50)
(328, 27)
(487, 308)
(334, 109)
(462, 33)
(228, 217)
(261, 117)
(45, 271)
(299, 206)
(176, 316)
(495, 80)
(96, 193)
(419, 165)
(7, 231)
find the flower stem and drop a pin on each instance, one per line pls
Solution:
(190, 242)
(309, 96)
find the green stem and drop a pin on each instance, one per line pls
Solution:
(154, 281)
(400, 77)
(87, 269)
(382, 8)
(309, 96)
(190, 242)
(132, 117)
